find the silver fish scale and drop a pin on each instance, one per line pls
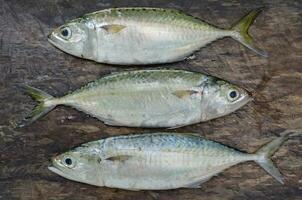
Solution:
(166, 142)
(162, 160)
(144, 76)
(144, 35)
(150, 35)
(157, 161)
(152, 98)
(158, 15)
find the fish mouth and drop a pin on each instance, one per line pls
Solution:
(240, 103)
(55, 42)
(50, 39)
(54, 169)
(245, 101)
(57, 171)
(52, 166)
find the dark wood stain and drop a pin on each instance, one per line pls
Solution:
(27, 58)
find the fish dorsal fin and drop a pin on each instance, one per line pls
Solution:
(184, 93)
(113, 28)
(119, 158)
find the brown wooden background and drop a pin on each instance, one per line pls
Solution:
(27, 57)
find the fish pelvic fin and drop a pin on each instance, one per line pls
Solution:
(264, 154)
(42, 108)
(239, 32)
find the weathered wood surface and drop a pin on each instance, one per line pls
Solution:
(27, 57)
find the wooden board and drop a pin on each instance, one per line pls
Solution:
(27, 58)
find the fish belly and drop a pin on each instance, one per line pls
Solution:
(158, 108)
(150, 43)
(143, 98)
(163, 161)
(161, 170)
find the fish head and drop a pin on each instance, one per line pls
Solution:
(80, 164)
(222, 98)
(72, 38)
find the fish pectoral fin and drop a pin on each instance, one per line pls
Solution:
(184, 93)
(119, 158)
(113, 28)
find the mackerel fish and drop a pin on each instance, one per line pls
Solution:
(157, 161)
(134, 36)
(149, 98)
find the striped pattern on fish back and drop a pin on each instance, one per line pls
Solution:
(158, 15)
(147, 76)
(165, 142)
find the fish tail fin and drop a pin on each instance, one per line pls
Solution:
(264, 154)
(239, 31)
(41, 108)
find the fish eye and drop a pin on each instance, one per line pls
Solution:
(69, 162)
(233, 95)
(65, 33)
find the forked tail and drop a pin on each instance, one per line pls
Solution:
(41, 108)
(264, 154)
(240, 31)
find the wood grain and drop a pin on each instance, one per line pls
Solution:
(27, 58)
